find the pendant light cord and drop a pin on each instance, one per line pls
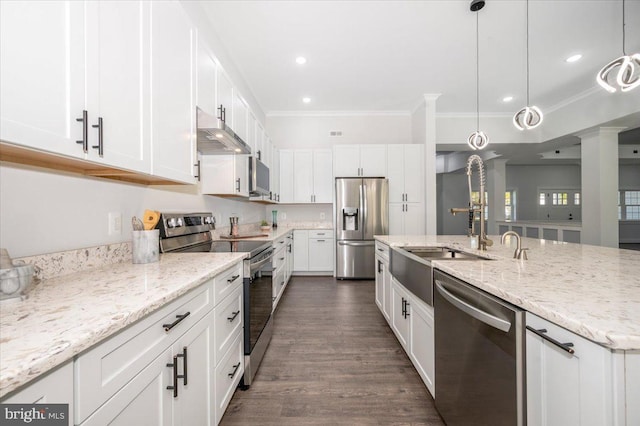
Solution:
(527, 52)
(624, 52)
(477, 71)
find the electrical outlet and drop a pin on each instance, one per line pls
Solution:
(115, 223)
(322, 216)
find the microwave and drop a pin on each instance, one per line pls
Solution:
(258, 177)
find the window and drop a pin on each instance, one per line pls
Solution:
(510, 205)
(475, 197)
(542, 199)
(559, 198)
(629, 205)
(576, 199)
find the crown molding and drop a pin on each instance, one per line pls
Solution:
(338, 113)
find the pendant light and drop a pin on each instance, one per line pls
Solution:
(530, 116)
(477, 139)
(628, 76)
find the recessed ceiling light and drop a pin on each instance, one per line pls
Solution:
(507, 99)
(301, 60)
(306, 100)
(573, 58)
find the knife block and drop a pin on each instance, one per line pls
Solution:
(145, 246)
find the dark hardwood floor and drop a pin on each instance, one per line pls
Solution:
(333, 360)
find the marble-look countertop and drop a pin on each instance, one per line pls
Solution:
(64, 316)
(593, 291)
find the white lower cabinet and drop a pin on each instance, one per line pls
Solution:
(300, 250)
(55, 387)
(228, 373)
(383, 279)
(565, 388)
(412, 321)
(313, 250)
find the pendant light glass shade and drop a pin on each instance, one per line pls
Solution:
(628, 69)
(530, 116)
(478, 139)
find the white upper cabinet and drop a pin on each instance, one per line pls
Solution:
(260, 140)
(302, 176)
(286, 176)
(322, 176)
(359, 160)
(311, 176)
(224, 175)
(251, 132)
(240, 111)
(42, 74)
(224, 97)
(206, 93)
(173, 92)
(405, 173)
(274, 170)
(117, 93)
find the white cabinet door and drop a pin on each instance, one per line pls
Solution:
(240, 110)
(346, 160)
(260, 141)
(224, 96)
(399, 317)
(117, 85)
(286, 176)
(386, 307)
(321, 254)
(380, 268)
(275, 173)
(300, 250)
(564, 388)
(413, 173)
(173, 109)
(422, 347)
(322, 176)
(373, 160)
(303, 176)
(42, 74)
(206, 92)
(145, 400)
(414, 220)
(395, 173)
(195, 403)
(251, 132)
(396, 218)
(224, 175)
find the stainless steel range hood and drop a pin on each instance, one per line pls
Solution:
(216, 138)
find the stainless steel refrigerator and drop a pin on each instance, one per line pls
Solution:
(362, 211)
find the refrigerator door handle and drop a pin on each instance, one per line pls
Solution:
(365, 211)
(362, 214)
(356, 243)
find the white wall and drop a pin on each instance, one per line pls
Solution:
(44, 212)
(301, 213)
(312, 131)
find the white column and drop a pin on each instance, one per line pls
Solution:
(599, 151)
(431, 204)
(496, 187)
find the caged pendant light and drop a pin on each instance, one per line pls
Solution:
(478, 139)
(530, 116)
(628, 76)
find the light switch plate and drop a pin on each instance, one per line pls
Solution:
(322, 216)
(115, 223)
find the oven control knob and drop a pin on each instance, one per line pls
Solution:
(209, 220)
(171, 222)
(179, 222)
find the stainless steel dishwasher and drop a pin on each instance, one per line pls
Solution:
(479, 362)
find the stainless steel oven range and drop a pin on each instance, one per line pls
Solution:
(189, 233)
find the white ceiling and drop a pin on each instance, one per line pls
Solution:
(384, 55)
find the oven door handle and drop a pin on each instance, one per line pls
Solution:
(254, 266)
(476, 313)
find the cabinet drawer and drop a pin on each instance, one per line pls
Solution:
(228, 374)
(382, 250)
(225, 283)
(321, 233)
(279, 243)
(279, 258)
(103, 370)
(228, 320)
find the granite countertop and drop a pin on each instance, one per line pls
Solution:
(593, 291)
(281, 230)
(561, 223)
(64, 316)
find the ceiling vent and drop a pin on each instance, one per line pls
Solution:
(335, 133)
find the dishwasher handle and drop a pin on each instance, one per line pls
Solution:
(476, 313)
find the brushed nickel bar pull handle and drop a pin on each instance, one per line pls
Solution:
(568, 347)
(238, 185)
(85, 130)
(100, 146)
(235, 370)
(233, 278)
(174, 366)
(379, 266)
(197, 176)
(183, 355)
(168, 327)
(282, 283)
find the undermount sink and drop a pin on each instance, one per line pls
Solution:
(442, 253)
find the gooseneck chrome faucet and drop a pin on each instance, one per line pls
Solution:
(474, 208)
(520, 253)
